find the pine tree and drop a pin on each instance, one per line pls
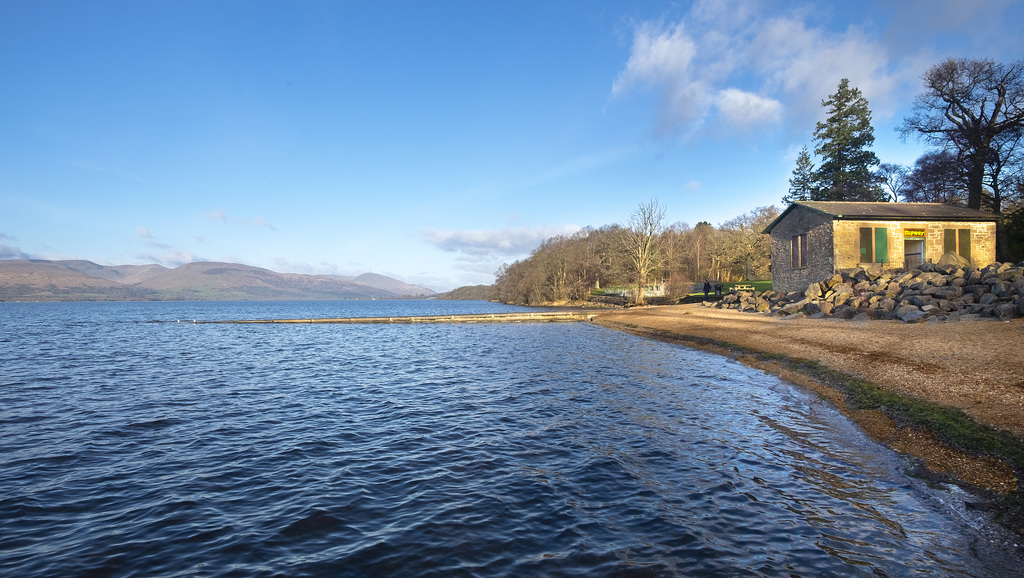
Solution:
(801, 184)
(844, 142)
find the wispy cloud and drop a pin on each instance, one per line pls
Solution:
(746, 109)
(222, 217)
(170, 258)
(8, 252)
(491, 244)
(145, 234)
(725, 66)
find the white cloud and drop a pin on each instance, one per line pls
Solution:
(747, 109)
(658, 57)
(216, 216)
(223, 218)
(490, 244)
(727, 65)
(806, 64)
(169, 258)
(145, 234)
(261, 222)
(8, 252)
(662, 59)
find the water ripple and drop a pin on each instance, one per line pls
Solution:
(139, 449)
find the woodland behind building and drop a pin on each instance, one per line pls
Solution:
(573, 267)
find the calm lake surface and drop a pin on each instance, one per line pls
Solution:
(133, 448)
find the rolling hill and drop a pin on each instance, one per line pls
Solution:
(37, 280)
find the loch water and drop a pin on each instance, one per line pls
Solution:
(134, 442)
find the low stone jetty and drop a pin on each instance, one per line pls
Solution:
(519, 317)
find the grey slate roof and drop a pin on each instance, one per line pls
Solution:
(854, 211)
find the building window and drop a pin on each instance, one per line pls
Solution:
(874, 245)
(957, 241)
(799, 251)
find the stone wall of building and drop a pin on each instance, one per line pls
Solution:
(818, 228)
(847, 241)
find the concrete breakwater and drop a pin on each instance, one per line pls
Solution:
(524, 317)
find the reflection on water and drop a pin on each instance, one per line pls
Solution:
(134, 448)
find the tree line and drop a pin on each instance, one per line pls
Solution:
(641, 251)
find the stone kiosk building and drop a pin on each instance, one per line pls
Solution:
(812, 240)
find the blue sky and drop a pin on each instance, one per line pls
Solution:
(429, 141)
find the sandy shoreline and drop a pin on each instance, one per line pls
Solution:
(974, 366)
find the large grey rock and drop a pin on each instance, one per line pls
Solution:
(841, 293)
(904, 310)
(833, 281)
(1011, 274)
(877, 313)
(914, 317)
(844, 312)
(813, 291)
(1006, 311)
(952, 259)
(988, 298)
(794, 307)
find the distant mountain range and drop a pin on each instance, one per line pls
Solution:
(38, 280)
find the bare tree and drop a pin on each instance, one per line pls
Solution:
(937, 177)
(747, 248)
(894, 178)
(968, 106)
(640, 240)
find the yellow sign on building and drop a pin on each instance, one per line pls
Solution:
(913, 233)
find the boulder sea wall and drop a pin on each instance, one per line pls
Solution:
(931, 293)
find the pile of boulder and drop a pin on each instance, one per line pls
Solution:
(932, 292)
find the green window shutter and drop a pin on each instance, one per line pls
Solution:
(881, 245)
(865, 245)
(949, 241)
(965, 243)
